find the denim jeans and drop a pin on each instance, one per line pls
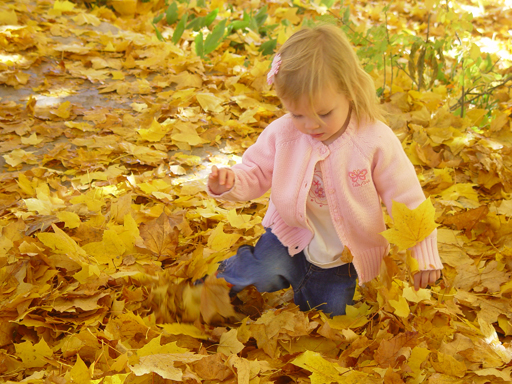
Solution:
(269, 267)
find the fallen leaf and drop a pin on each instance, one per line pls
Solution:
(160, 236)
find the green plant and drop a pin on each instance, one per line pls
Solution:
(423, 58)
(211, 32)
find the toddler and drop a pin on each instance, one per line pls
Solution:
(330, 162)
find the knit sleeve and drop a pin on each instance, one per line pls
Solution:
(253, 176)
(396, 180)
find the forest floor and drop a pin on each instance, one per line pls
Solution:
(106, 137)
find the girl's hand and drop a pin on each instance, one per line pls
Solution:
(221, 180)
(424, 278)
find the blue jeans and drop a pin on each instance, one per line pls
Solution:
(269, 267)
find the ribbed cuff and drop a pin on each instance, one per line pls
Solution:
(368, 263)
(427, 254)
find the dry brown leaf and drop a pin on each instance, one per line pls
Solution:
(160, 236)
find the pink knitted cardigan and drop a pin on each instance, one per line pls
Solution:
(364, 166)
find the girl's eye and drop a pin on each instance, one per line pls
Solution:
(326, 114)
(296, 116)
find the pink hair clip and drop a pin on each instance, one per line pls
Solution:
(276, 63)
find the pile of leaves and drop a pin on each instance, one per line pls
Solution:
(107, 134)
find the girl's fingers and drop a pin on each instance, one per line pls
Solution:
(214, 172)
(424, 278)
(417, 280)
(223, 176)
(230, 178)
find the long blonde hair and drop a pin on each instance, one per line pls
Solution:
(321, 56)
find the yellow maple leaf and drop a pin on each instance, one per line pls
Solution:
(289, 14)
(460, 190)
(64, 110)
(60, 242)
(401, 307)
(323, 371)
(86, 18)
(220, 240)
(410, 226)
(239, 221)
(71, 219)
(43, 207)
(155, 132)
(245, 369)
(83, 126)
(107, 251)
(163, 364)
(186, 79)
(93, 199)
(87, 271)
(63, 6)
(8, 18)
(447, 364)
(355, 317)
(184, 329)
(33, 355)
(144, 154)
(117, 75)
(26, 185)
(416, 296)
(209, 102)
(80, 373)
(229, 343)
(18, 156)
(215, 299)
(154, 347)
(161, 236)
(418, 356)
(31, 140)
(129, 233)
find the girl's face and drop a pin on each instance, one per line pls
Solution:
(332, 108)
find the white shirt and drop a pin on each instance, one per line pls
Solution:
(326, 247)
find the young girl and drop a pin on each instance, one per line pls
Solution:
(329, 161)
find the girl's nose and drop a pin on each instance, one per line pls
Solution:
(311, 124)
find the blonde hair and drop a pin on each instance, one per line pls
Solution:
(313, 58)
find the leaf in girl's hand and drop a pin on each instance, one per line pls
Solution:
(410, 226)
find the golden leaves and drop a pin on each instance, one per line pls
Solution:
(105, 226)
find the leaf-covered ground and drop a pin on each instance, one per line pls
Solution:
(107, 135)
